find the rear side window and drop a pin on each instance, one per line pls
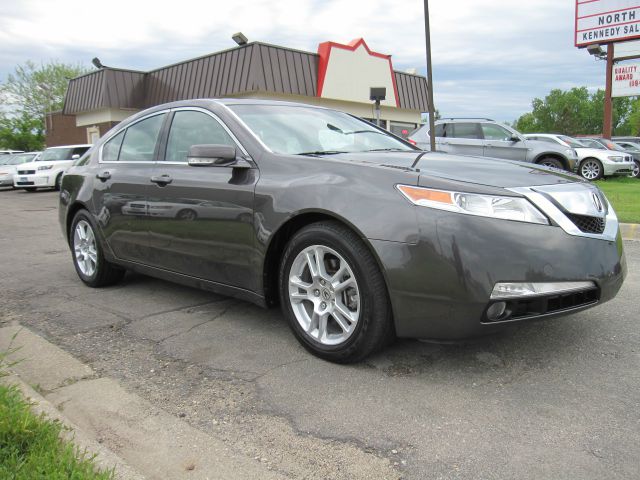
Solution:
(194, 128)
(464, 130)
(140, 140)
(440, 130)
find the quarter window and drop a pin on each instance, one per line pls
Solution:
(111, 149)
(194, 128)
(140, 140)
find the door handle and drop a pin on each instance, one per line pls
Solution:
(162, 180)
(104, 176)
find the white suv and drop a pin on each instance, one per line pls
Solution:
(595, 160)
(47, 170)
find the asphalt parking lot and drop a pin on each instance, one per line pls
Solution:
(559, 399)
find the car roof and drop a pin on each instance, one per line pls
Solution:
(69, 146)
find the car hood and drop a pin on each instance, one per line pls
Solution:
(486, 171)
(8, 168)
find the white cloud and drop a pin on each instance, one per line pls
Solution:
(523, 48)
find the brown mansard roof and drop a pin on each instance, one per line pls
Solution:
(254, 67)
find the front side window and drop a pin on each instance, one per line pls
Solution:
(139, 143)
(495, 132)
(194, 128)
(297, 130)
(592, 144)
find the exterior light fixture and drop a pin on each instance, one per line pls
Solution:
(97, 63)
(597, 51)
(239, 38)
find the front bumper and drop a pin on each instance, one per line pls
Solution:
(6, 180)
(440, 287)
(34, 180)
(617, 168)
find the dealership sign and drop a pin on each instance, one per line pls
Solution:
(626, 80)
(606, 21)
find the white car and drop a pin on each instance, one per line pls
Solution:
(8, 169)
(47, 170)
(594, 162)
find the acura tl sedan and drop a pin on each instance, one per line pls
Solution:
(356, 234)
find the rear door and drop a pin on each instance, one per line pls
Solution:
(126, 164)
(201, 218)
(464, 138)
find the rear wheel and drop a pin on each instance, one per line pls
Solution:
(88, 259)
(58, 182)
(551, 162)
(187, 214)
(591, 169)
(636, 169)
(333, 294)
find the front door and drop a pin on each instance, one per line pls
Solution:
(122, 179)
(201, 218)
(498, 143)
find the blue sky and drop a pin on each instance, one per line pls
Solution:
(490, 57)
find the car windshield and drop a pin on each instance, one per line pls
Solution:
(299, 130)
(632, 147)
(21, 158)
(572, 142)
(51, 154)
(5, 159)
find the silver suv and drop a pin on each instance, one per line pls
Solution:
(486, 138)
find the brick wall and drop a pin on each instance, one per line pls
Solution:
(61, 130)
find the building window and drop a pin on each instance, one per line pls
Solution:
(402, 129)
(93, 134)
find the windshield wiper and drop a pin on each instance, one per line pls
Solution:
(322, 152)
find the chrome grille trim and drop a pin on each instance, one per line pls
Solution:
(546, 199)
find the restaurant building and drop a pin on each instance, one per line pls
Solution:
(336, 76)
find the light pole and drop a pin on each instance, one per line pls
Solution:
(430, 107)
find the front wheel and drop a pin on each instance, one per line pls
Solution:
(58, 183)
(635, 173)
(551, 162)
(90, 264)
(591, 169)
(333, 294)
(30, 189)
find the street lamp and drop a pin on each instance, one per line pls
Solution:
(430, 107)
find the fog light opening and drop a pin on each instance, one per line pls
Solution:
(496, 311)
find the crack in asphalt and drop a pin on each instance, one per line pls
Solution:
(193, 327)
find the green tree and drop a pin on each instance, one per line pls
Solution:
(574, 112)
(27, 95)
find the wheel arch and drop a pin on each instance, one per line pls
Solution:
(555, 155)
(74, 208)
(279, 240)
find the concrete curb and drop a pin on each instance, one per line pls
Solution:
(105, 459)
(630, 231)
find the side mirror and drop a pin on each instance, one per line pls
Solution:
(514, 138)
(75, 157)
(211, 155)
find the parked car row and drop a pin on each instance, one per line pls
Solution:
(33, 170)
(592, 158)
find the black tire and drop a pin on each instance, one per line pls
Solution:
(636, 170)
(374, 326)
(105, 273)
(551, 162)
(187, 214)
(58, 183)
(30, 189)
(591, 169)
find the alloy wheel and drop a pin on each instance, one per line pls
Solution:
(636, 170)
(84, 246)
(590, 170)
(324, 295)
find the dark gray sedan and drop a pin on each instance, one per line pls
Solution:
(355, 233)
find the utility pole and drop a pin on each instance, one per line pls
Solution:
(431, 108)
(607, 127)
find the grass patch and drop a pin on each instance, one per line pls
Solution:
(30, 444)
(624, 195)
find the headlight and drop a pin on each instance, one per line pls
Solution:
(615, 158)
(507, 208)
(45, 167)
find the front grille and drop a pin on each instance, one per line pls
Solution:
(25, 183)
(26, 172)
(588, 224)
(546, 304)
